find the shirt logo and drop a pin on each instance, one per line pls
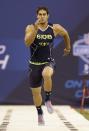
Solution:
(44, 37)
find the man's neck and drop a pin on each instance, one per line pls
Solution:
(43, 25)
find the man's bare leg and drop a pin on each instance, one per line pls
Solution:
(47, 76)
(37, 98)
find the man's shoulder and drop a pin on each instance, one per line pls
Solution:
(56, 25)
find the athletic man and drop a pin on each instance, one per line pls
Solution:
(39, 38)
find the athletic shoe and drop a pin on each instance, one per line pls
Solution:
(48, 104)
(40, 120)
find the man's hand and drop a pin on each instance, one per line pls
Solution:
(30, 33)
(36, 24)
(66, 52)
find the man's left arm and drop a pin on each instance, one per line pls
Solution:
(59, 30)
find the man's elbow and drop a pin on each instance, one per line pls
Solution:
(26, 41)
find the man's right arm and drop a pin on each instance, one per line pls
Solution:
(30, 34)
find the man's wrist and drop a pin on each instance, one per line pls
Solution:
(35, 26)
(68, 49)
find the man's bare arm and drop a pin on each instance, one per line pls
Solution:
(59, 30)
(30, 34)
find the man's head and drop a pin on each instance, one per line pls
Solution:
(42, 14)
(42, 8)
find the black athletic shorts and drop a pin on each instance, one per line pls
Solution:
(35, 74)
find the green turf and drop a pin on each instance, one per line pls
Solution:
(84, 112)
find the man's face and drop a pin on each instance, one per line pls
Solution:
(42, 16)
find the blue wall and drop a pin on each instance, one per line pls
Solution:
(14, 16)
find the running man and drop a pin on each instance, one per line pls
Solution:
(39, 38)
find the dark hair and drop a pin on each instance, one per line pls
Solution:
(42, 8)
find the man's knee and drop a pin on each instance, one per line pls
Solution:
(47, 72)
